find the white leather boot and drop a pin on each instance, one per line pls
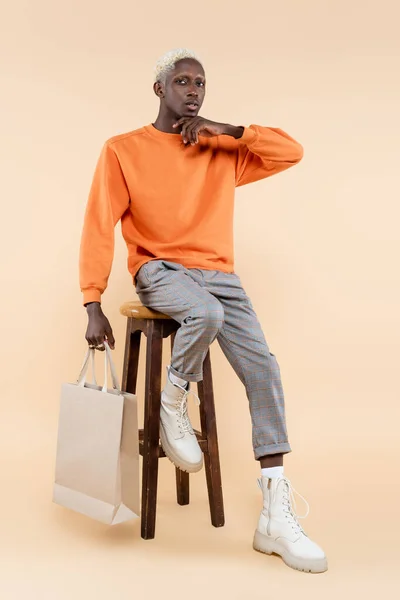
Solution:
(176, 432)
(279, 531)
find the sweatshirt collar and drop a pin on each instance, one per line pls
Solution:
(162, 135)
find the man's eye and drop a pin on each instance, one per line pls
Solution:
(185, 81)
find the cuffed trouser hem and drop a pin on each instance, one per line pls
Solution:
(271, 449)
(195, 377)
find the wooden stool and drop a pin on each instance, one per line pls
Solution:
(157, 326)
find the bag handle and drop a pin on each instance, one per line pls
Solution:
(109, 361)
(82, 375)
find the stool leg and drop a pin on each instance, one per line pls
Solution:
(211, 456)
(131, 359)
(151, 432)
(182, 487)
(182, 478)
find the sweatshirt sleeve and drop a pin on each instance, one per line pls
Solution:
(108, 200)
(264, 151)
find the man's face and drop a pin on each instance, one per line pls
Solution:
(185, 88)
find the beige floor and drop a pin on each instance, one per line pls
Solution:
(48, 552)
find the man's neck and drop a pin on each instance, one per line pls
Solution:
(165, 122)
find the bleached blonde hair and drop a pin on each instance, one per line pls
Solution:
(166, 63)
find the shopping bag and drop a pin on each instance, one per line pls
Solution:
(97, 458)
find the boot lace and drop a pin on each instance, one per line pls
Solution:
(289, 503)
(288, 500)
(182, 410)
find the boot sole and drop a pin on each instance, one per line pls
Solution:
(175, 459)
(262, 543)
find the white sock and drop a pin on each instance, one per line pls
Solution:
(177, 380)
(272, 472)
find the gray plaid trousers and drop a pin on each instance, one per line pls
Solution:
(213, 305)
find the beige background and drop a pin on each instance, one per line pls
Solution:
(317, 249)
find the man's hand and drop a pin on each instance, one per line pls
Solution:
(99, 328)
(192, 127)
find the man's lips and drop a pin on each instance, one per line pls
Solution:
(193, 105)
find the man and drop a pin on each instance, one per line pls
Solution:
(171, 183)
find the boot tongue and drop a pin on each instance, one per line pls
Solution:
(184, 389)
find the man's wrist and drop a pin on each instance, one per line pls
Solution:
(234, 131)
(92, 307)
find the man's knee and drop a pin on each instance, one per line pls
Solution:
(210, 316)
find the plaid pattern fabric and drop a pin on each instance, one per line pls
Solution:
(213, 305)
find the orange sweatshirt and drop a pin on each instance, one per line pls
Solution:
(175, 202)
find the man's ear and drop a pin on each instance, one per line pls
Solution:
(158, 89)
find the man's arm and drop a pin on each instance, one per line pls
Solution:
(262, 152)
(108, 200)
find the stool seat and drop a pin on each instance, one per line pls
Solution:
(136, 310)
